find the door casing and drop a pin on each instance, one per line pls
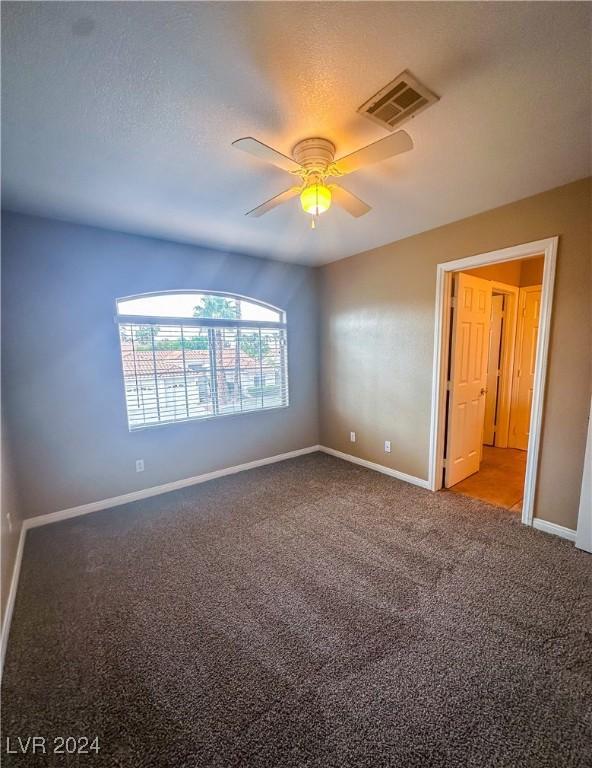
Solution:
(502, 430)
(548, 249)
(516, 411)
(494, 366)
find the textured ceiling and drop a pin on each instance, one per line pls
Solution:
(122, 114)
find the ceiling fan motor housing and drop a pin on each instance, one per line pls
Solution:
(314, 154)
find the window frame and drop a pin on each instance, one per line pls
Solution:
(122, 320)
(203, 321)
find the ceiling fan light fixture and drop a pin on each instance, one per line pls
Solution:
(315, 199)
(313, 162)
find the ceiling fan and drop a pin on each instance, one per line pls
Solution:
(313, 161)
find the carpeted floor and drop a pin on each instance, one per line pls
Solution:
(309, 613)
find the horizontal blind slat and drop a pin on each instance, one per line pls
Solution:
(177, 371)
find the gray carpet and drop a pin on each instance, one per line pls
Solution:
(309, 613)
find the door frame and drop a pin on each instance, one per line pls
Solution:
(518, 342)
(508, 341)
(444, 275)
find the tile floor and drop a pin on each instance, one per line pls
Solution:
(500, 480)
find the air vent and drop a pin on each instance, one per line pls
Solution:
(400, 100)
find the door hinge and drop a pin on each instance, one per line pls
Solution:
(449, 386)
(444, 463)
(453, 302)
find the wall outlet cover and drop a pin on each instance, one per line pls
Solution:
(352, 437)
(139, 465)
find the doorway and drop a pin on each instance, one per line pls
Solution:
(492, 332)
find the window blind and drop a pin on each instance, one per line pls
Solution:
(198, 369)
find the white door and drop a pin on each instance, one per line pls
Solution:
(468, 376)
(493, 367)
(524, 362)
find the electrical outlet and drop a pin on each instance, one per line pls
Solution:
(352, 437)
(387, 446)
(139, 465)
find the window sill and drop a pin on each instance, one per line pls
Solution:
(213, 417)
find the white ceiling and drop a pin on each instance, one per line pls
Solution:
(122, 114)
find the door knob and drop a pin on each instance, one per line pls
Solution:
(483, 391)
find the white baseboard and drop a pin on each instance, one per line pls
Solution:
(95, 506)
(541, 525)
(156, 490)
(376, 467)
(557, 530)
(16, 571)
(116, 501)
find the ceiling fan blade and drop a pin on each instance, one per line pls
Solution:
(283, 197)
(348, 201)
(381, 150)
(263, 152)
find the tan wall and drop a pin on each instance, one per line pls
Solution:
(378, 337)
(519, 273)
(507, 272)
(531, 272)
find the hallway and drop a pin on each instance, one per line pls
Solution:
(500, 479)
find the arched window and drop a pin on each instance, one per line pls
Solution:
(197, 355)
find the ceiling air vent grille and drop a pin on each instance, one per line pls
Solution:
(397, 102)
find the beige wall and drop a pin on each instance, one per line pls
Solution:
(531, 271)
(519, 273)
(507, 272)
(62, 377)
(61, 364)
(377, 337)
(10, 519)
